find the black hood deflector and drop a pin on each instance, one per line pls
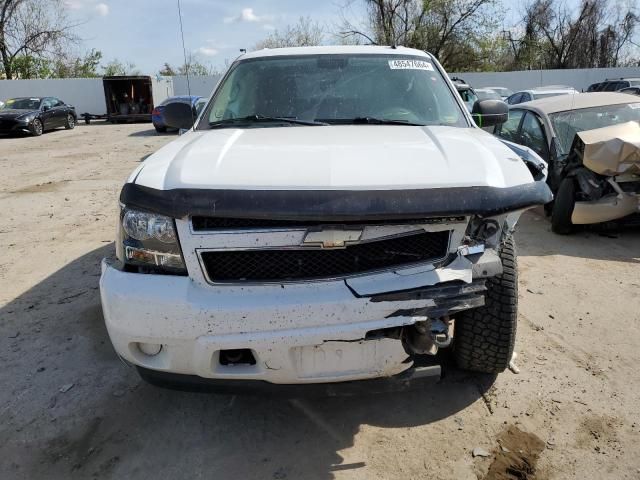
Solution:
(335, 205)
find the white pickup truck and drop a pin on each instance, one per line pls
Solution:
(334, 214)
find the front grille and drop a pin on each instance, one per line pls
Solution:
(303, 264)
(203, 224)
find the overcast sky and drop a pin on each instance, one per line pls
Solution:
(146, 32)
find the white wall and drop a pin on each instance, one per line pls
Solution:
(580, 79)
(86, 94)
(202, 85)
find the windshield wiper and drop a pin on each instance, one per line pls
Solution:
(375, 121)
(264, 119)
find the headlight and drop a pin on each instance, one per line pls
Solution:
(27, 116)
(148, 241)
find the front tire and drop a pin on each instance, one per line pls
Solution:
(70, 124)
(563, 206)
(160, 129)
(36, 128)
(484, 337)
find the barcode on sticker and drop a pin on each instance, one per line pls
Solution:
(410, 65)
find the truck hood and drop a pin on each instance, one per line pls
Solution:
(348, 157)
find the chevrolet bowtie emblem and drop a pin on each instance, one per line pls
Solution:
(331, 238)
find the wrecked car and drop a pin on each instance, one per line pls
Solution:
(334, 214)
(591, 143)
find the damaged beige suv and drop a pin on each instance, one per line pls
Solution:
(591, 142)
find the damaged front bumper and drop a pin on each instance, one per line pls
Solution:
(612, 207)
(615, 206)
(306, 333)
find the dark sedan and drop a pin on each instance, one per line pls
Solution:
(34, 115)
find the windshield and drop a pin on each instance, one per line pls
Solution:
(567, 124)
(335, 89)
(22, 104)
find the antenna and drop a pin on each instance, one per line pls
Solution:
(186, 65)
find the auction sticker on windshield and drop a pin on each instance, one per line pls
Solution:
(410, 65)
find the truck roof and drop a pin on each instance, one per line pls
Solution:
(335, 50)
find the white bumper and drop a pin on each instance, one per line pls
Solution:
(298, 333)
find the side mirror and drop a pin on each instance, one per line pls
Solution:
(45, 108)
(487, 113)
(179, 115)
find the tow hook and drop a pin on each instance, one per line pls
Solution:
(427, 335)
(440, 332)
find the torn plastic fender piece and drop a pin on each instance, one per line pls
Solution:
(463, 269)
(445, 299)
(447, 306)
(611, 150)
(435, 293)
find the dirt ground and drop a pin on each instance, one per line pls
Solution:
(70, 409)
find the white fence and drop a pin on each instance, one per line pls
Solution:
(87, 94)
(202, 85)
(580, 79)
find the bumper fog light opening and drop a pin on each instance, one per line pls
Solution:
(150, 349)
(242, 356)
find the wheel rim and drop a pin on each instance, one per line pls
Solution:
(37, 126)
(71, 121)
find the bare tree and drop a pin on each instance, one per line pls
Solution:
(303, 34)
(595, 34)
(447, 28)
(31, 27)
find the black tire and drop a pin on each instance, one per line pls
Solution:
(484, 337)
(563, 205)
(160, 129)
(70, 123)
(36, 128)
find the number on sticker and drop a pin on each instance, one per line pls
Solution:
(406, 64)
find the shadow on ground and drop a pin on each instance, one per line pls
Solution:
(152, 133)
(599, 242)
(70, 409)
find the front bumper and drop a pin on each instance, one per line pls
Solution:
(605, 209)
(13, 126)
(315, 332)
(411, 379)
